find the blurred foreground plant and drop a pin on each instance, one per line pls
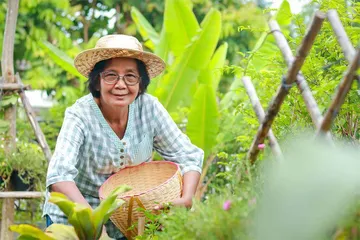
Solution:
(86, 222)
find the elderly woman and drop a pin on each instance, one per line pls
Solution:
(114, 126)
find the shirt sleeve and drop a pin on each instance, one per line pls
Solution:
(62, 166)
(172, 144)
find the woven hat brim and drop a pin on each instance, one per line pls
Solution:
(86, 60)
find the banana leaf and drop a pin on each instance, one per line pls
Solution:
(145, 29)
(180, 24)
(161, 50)
(217, 63)
(203, 119)
(187, 67)
(61, 59)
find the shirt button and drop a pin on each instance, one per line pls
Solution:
(124, 143)
(121, 150)
(121, 157)
(121, 163)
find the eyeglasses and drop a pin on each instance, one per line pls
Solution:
(112, 77)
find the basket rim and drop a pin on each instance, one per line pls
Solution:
(149, 190)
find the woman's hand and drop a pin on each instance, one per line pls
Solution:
(190, 182)
(179, 202)
(183, 202)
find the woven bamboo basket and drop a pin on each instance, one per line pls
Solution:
(152, 183)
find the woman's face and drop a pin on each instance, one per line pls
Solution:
(119, 94)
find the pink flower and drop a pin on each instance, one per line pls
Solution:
(261, 146)
(252, 201)
(227, 205)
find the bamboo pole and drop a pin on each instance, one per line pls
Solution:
(344, 41)
(260, 113)
(14, 87)
(309, 100)
(7, 68)
(283, 90)
(34, 124)
(340, 95)
(22, 195)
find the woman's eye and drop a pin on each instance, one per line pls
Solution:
(130, 76)
(110, 75)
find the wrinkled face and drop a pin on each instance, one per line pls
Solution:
(119, 94)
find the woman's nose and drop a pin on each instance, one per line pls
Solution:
(120, 83)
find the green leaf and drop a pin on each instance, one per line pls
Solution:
(8, 100)
(61, 232)
(161, 50)
(284, 15)
(264, 50)
(180, 24)
(61, 59)
(102, 213)
(75, 222)
(62, 202)
(217, 63)
(85, 218)
(29, 232)
(144, 27)
(120, 189)
(232, 94)
(4, 125)
(184, 72)
(203, 120)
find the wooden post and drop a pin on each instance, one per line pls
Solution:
(340, 95)
(7, 68)
(34, 124)
(283, 90)
(261, 114)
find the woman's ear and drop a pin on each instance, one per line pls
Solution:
(97, 88)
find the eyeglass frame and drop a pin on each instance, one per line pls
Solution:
(119, 77)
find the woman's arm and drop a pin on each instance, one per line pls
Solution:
(175, 146)
(70, 190)
(190, 182)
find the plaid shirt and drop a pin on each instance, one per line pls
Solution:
(88, 151)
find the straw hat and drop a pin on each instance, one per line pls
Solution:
(118, 45)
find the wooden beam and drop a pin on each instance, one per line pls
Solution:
(14, 87)
(22, 195)
(260, 113)
(34, 124)
(283, 90)
(340, 95)
(7, 68)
